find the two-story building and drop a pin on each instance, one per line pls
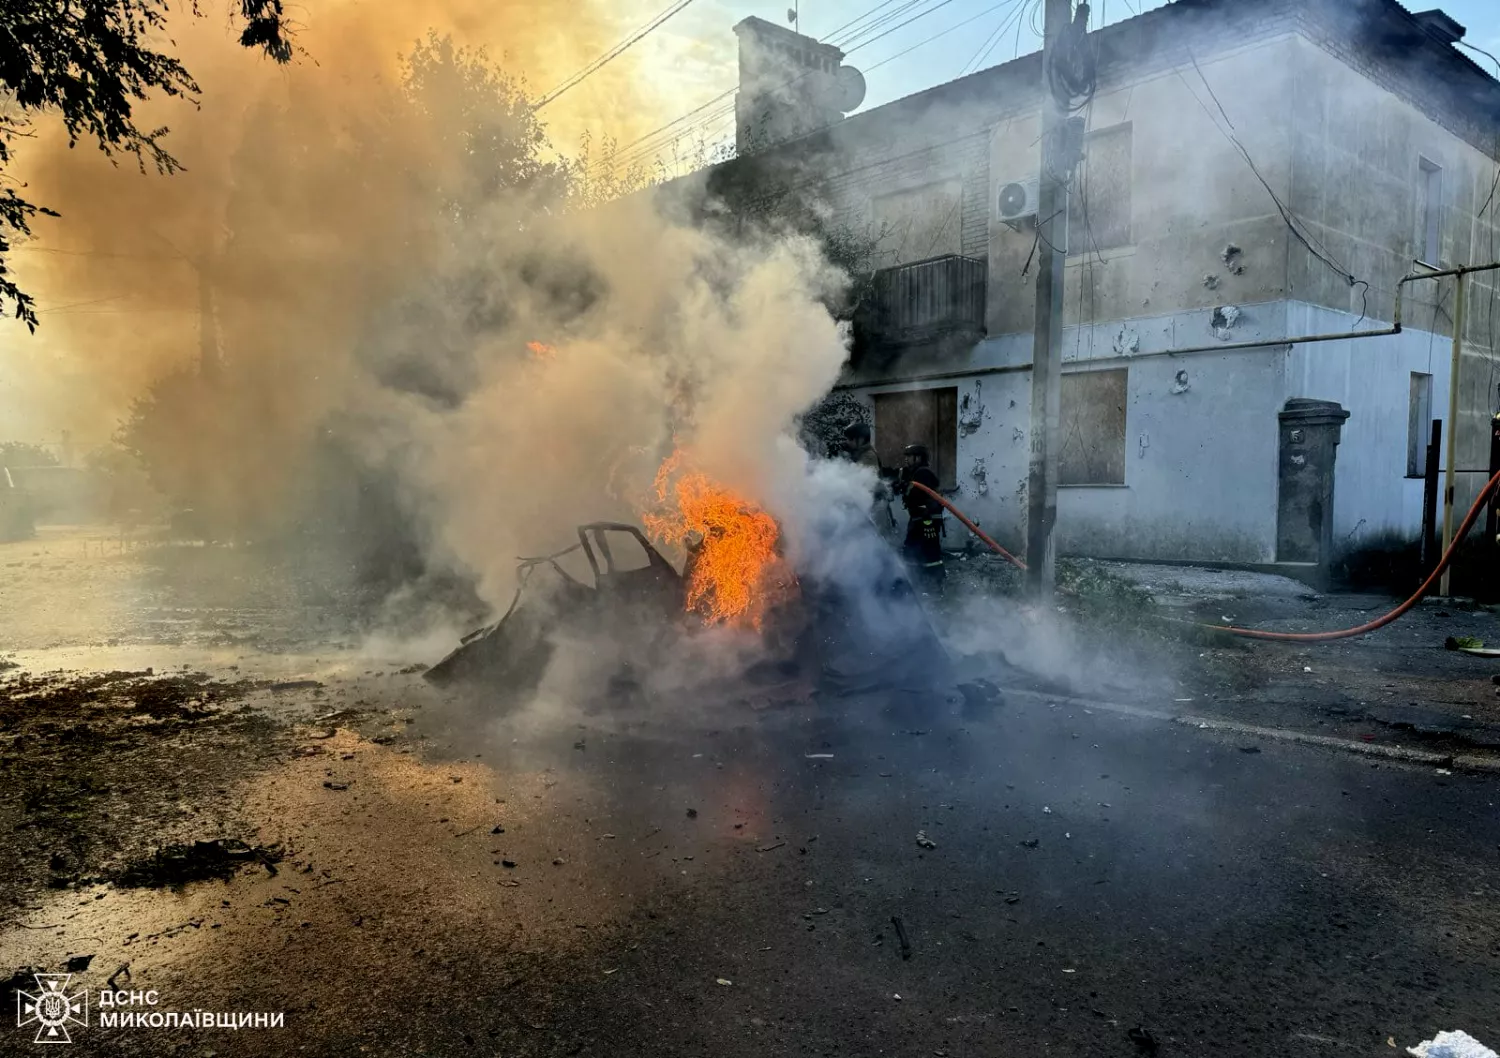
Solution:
(1256, 172)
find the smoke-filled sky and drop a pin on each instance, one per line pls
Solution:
(115, 278)
(123, 232)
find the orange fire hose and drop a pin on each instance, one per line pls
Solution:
(1295, 637)
(971, 526)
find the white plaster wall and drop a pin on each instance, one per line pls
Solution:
(1371, 378)
(1201, 464)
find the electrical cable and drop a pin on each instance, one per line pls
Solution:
(857, 19)
(989, 43)
(903, 25)
(1288, 217)
(609, 56)
(882, 21)
(944, 33)
(642, 147)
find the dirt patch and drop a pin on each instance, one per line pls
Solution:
(98, 770)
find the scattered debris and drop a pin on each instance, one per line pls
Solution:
(901, 937)
(772, 847)
(1031, 844)
(78, 963)
(498, 829)
(923, 841)
(1249, 749)
(1456, 1044)
(328, 733)
(979, 693)
(726, 982)
(692, 813)
(1143, 1039)
(508, 863)
(336, 785)
(123, 968)
(295, 685)
(176, 865)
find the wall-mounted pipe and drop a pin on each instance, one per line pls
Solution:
(1260, 343)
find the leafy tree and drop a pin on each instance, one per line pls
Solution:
(89, 62)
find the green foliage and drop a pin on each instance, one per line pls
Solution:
(90, 63)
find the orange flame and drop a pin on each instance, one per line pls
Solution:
(735, 573)
(541, 350)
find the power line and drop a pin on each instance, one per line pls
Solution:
(903, 25)
(642, 147)
(858, 18)
(94, 253)
(609, 56)
(80, 304)
(989, 43)
(944, 33)
(883, 20)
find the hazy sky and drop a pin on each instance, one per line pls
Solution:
(698, 45)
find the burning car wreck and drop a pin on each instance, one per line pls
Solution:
(840, 628)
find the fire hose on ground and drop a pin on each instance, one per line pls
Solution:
(1285, 637)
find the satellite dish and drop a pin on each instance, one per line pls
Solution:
(791, 14)
(851, 88)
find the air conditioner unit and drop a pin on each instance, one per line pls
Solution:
(1016, 200)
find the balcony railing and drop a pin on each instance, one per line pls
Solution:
(925, 301)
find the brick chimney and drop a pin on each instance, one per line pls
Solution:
(1441, 25)
(790, 85)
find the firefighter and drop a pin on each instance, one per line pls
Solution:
(858, 449)
(924, 527)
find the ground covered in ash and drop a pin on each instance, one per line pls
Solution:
(308, 829)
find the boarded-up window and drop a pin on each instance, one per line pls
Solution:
(1099, 205)
(917, 224)
(924, 416)
(1093, 428)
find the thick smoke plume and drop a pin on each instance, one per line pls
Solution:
(413, 296)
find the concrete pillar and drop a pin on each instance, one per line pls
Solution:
(1310, 432)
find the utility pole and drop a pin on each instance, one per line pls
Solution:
(1046, 356)
(1458, 346)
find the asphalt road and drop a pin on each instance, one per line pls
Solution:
(1091, 873)
(455, 884)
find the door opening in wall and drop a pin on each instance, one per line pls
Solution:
(1418, 420)
(921, 416)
